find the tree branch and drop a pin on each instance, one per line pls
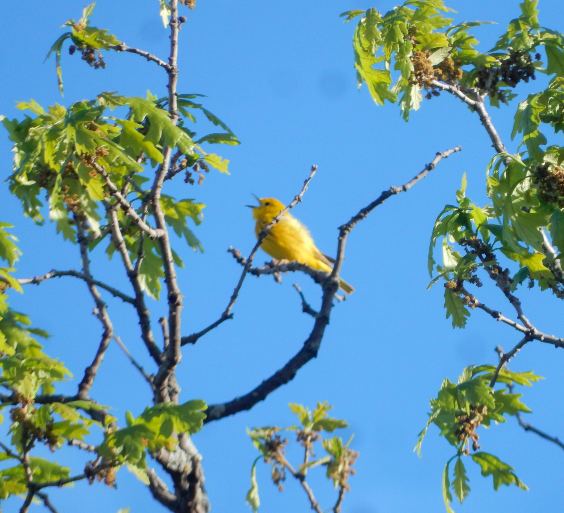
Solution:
(100, 311)
(133, 275)
(122, 47)
(306, 308)
(57, 274)
(125, 205)
(530, 331)
(330, 286)
(147, 377)
(505, 358)
(522, 423)
(301, 478)
(192, 339)
(45, 498)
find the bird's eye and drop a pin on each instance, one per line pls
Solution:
(267, 203)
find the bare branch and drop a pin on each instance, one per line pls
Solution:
(532, 429)
(531, 332)
(505, 358)
(301, 478)
(330, 286)
(125, 205)
(147, 377)
(133, 275)
(82, 445)
(159, 490)
(62, 482)
(338, 504)
(122, 47)
(522, 423)
(45, 498)
(192, 339)
(306, 308)
(317, 275)
(477, 104)
(57, 274)
(100, 311)
(396, 190)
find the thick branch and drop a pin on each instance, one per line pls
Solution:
(330, 287)
(57, 274)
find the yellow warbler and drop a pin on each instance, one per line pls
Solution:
(289, 239)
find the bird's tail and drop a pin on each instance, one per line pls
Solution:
(345, 287)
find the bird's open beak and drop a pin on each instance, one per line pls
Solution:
(254, 206)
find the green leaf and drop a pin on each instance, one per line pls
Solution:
(253, 499)
(160, 125)
(310, 464)
(439, 55)
(303, 414)
(460, 483)
(555, 57)
(217, 162)
(447, 496)
(57, 47)
(502, 473)
(557, 229)
(165, 12)
(431, 41)
(455, 309)
(139, 473)
(44, 470)
(219, 139)
(9, 251)
(351, 14)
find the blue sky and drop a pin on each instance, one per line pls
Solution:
(281, 75)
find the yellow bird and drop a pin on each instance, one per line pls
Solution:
(289, 239)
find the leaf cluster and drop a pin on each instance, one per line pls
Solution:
(460, 409)
(419, 42)
(338, 461)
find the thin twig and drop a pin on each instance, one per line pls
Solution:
(301, 478)
(531, 331)
(45, 498)
(306, 308)
(57, 274)
(313, 342)
(82, 445)
(506, 357)
(147, 377)
(122, 47)
(522, 423)
(338, 504)
(166, 335)
(133, 275)
(100, 311)
(125, 205)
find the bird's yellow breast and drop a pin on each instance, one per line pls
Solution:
(290, 240)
